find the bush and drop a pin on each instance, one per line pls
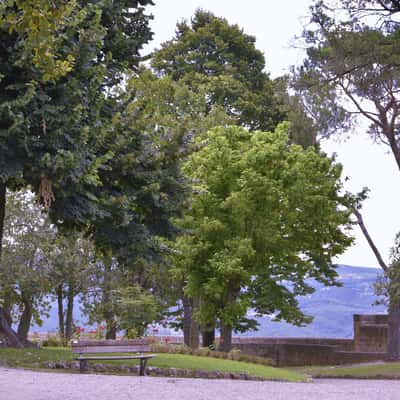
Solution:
(52, 341)
(234, 354)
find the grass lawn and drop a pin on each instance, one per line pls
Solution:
(370, 371)
(33, 358)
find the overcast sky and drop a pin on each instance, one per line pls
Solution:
(275, 24)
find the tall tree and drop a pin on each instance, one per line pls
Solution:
(353, 70)
(265, 216)
(220, 63)
(210, 53)
(55, 133)
(172, 114)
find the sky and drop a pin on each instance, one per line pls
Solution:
(276, 24)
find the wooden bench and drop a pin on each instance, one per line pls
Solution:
(137, 346)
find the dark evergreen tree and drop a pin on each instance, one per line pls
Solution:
(71, 140)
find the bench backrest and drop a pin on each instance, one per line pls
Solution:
(111, 346)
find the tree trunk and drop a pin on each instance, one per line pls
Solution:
(70, 315)
(225, 341)
(187, 319)
(111, 330)
(393, 346)
(391, 135)
(7, 307)
(208, 335)
(25, 321)
(60, 311)
(2, 213)
(11, 337)
(194, 341)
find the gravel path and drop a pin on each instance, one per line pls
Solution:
(29, 385)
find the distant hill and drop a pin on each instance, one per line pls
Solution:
(332, 307)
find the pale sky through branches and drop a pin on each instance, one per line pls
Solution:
(275, 24)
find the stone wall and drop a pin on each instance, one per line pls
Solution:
(340, 344)
(305, 351)
(293, 351)
(369, 344)
(370, 332)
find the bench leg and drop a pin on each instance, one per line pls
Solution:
(142, 370)
(83, 366)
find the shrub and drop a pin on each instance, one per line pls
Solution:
(234, 354)
(52, 341)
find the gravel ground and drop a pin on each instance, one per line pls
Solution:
(30, 385)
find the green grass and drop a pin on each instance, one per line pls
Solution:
(371, 371)
(33, 358)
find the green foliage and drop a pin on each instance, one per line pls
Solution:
(43, 25)
(208, 54)
(264, 217)
(74, 141)
(71, 136)
(235, 355)
(126, 299)
(138, 309)
(352, 70)
(52, 341)
(25, 273)
(167, 109)
(71, 256)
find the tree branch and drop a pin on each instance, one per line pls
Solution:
(358, 106)
(371, 243)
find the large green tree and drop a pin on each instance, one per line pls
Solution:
(266, 216)
(352, 72)
(225, 72)
(211, 54)
(64, 135)
(156, 122)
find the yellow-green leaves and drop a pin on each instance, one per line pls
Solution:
(265, 216)
(42, 24)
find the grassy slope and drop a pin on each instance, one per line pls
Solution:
(32, 358)
(385, 370)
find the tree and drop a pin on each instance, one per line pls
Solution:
(220, 64)
(171, 114)
(55, 133)
(265, 216)
(123, 299)
(26, 269)
(70, 258)
(211, 54)
(353, 70)
(162, 106)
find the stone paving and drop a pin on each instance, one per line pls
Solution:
(32, 385)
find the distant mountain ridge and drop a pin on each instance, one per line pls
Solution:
(332, 308)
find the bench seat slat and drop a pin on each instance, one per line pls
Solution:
(141, 356)
(111, 349)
